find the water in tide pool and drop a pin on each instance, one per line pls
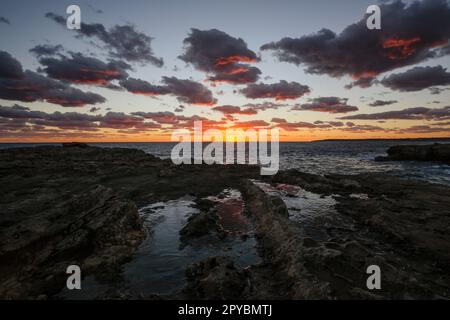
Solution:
(159, 264)
(323, 157)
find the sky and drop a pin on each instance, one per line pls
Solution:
(139, 70)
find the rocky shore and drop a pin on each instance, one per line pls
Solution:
(79, 205)
(433, 152)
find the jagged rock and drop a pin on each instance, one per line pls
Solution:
(93, 229)
(215, 278)
(401, 228)
(199, 224)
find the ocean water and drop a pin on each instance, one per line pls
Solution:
(324, 157)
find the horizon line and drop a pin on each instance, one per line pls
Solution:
(284, 141)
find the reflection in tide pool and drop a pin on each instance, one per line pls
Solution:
(314, 213)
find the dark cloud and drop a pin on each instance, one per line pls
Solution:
(94, 109)
(326, 104)
(417, 78)
(10, 68)
(424, 129)
(42, 50)
(180, 108)
(323, 125)
(186, 91)
(363, 128)
(80, 69)
(162, 117)
(139, 86)
(230, 110)
(264, 106)
(409, 35)
(364, 82)
(29, 86)
(223, 57)
(4, 20)
(436, 90)
(380, 103)
(35, 87)
(282, 90)
(122, 41)
(294, 126)
(120, 120)
(420, 113)
(69, 120)
(240, 74)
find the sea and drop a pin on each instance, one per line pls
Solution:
(320, 157)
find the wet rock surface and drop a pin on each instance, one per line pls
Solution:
(315, 235)
(434, 152)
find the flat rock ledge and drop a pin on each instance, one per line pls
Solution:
(433, 152)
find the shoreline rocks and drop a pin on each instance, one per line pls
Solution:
(78, 205)
(434, 152)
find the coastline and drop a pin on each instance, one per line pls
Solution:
(401, 225)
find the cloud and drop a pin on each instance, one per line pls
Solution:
(42, 50)
(10, 68)
(364, 128)
(380, 103)
(35, 87)
(326, 104)
(364, 82)
(80, 69)
(180, 108)
(425, 129)
(143, 87)
(294, 126)
(172, 121)
(282, 90)
(29, 86)
(408, 36)
(120, 120)
(186, 91)
(122, 41)
(69, 120)
(230, 110)
(420, 113)
(21, 118)
(417, 78)
(223, 57)
(250, 124)
(4, 20)
(264, 106)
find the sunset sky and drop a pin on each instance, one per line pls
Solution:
(137, 70)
